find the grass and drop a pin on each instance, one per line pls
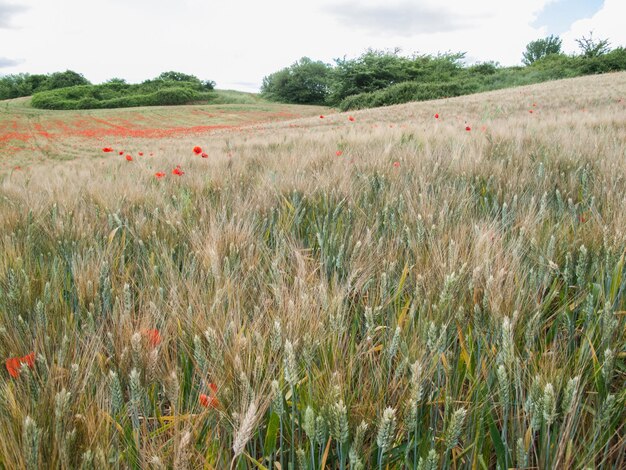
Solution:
(431, 298)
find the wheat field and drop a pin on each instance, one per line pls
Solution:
(387, 291)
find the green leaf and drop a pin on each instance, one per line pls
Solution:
(272, 432)
(497, 441)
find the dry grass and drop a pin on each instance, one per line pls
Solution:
(467, 304)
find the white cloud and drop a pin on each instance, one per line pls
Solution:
(608, 22)
(237, 42)
(7, 12)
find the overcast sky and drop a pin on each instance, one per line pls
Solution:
(237, 42)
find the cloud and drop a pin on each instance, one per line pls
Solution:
(7, 11)
(238, 42)
(404, 19)
(5, 62)
(606, 23)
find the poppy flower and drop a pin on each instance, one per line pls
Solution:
(140, 154)
(205, 155)
(153, 336)
(468, 128)
(339, 153)
(178, 171)
(530, 111)
(207, 401)
(197, 150)
(107, 149)
(351, 118)
(396, 164)
(436, 115)
(129, 158)
(159, 175)
(534, 104)
(121, 152)
(321, 116)
(13, 364)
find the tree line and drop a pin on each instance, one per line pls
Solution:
(380, 78)
(71, 90)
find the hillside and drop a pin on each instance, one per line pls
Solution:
(430, 285)
(28, 135)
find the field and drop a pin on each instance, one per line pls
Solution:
(435, 285)
(29, 135)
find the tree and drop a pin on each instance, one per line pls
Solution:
(304, 82)
(378, 69)
(172, 76)
(591, 47)
(65, 79)
(178, 77)
(116, 81)
(541, 48)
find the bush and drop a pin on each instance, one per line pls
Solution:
(121, 95)
(408, 91)
(15, 86)
(172, 96)
(377, 70)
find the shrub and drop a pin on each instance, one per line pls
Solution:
(24, 84)
(172, 96)
(121, 95)
(409, 91)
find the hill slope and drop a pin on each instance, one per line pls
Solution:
(330, 292)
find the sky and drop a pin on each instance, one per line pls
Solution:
(238, 42)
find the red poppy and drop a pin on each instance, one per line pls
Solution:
(468, 128)
(436, 115)
(121, 152)
(153, 336)
(534, 104)
(396, 164)
(530, 111)
(178, 171)
(129, 158)
(159, 175)
(205, 155)
(197, 150)
(13, 364)
(107, 149)
(321, 116)
(350, 118)
(29, 360)
(207, 401)
(339, 153)
(140, 154)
